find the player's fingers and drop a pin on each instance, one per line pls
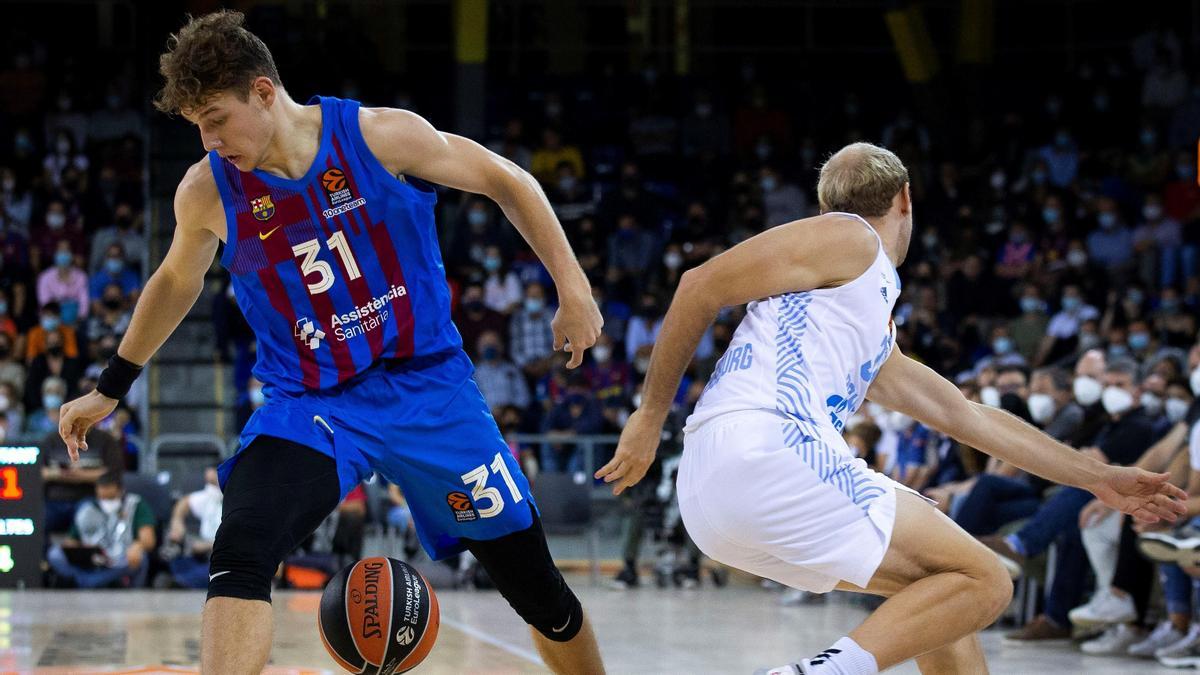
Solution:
(1160, 510)
(617, 473)
(576, 356)
(1144, 516)
(608, 468)
(1174, 491)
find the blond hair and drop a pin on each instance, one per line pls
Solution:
(861, 178)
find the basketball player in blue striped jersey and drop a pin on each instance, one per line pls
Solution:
(767, 483)
(330, 241)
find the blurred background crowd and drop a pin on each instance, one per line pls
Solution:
(1053, 272)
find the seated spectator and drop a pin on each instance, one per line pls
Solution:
(632, 250)
(1003, 351)
(125, 230)
(474, 318)
(1122, 441)
(1018, 254)
(50, 322)
(577, 415)
(502, 287)
(12, 366)
(44, 416)
(67, 482)
(550, 154)
(115, 271)
(190, 566)
(642, 329)
(12, 411)
(54, 362)
(59, 226)
(113, 535)
(611, 380)
(1110, 246)
(571, 197)
(499, 380)
(783, 201)
(16, 203)
(110, 314)
(532, 347)
(65, 284)
(1173, 322)
(1029, 329)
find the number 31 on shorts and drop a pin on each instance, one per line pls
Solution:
(477, 478)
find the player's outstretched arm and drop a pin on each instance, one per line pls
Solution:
(407, 144)
(168, 296)
(788, 258)
(916, 390)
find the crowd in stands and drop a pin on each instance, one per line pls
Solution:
(1053, 272)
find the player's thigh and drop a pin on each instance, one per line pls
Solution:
(926, 542)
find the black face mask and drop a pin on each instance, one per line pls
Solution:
(112, 304)
(123, 222)
(5, 351)
(55, 351)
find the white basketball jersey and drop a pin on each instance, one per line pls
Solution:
(809, 355)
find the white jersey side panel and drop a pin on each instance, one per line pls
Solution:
(809, 356)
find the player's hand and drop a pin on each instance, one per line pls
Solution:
(635, 452)
(1148, 497)
(1093, 513)
(576, 324)
(76, 417)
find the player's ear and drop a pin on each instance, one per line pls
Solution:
(264, 89)
(905, 199)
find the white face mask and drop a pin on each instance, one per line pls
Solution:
(1176, 409)
(110, 506)
(1195, 382)
(1152, 403)
(601, 353)
(1116, 400)
(1087, 390)
(1041, 407)
(990, 396)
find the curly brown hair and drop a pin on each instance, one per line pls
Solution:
(211, 54)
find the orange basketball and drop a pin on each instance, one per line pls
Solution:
(378, 616)
(333, 180)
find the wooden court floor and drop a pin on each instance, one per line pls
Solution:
(644, 631)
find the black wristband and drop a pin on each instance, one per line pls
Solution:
(118, 377)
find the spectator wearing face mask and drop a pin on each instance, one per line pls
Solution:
(532, 347)
(474, 318)
(1087, 388)
(115, 271)
(501, 287)
(117, 523)
(50, 322)
(783, 201)
(1003, 352)
(125, 230)
(576, 415)
(1028, 329)
(1052, 404)
(12, 366)
(1062, 332)
(12, 411)
(111, 315)
(1111, 244)
(59, 226)
(1158, 240)
(1122, 440)
(499, 380)
(63, 155)
(610, 379)
(570, 196)
(1173, 321)
(65, 284)
(53, 362)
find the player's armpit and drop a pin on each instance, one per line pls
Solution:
(824, 251)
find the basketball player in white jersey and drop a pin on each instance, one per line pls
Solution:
(768, 485)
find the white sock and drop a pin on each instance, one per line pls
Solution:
(845, 657)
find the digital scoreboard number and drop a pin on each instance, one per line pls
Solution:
(22, 517)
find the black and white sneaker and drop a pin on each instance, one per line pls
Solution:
(804, 667)
(1181, 545)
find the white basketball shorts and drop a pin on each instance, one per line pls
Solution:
(806, 515)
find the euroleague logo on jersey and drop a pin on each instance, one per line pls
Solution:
(341, 198)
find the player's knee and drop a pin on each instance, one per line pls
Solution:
(551, 609)
(994, 589)
(245, 556)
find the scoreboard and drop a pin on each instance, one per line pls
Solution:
(22, 517)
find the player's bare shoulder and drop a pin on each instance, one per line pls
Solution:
(397, 137)
(198, 201)
(841, 246)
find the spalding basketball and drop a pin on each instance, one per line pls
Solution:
(378, 617)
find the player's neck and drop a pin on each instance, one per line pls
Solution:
(295, 140)
(889, 228)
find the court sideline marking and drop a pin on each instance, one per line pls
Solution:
(522, 652)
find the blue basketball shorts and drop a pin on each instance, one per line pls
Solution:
(422, 425)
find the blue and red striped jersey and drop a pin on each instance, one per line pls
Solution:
(337, 269)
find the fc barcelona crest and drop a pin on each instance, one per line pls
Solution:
(262, 207)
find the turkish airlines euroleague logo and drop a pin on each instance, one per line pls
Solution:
(341, 198)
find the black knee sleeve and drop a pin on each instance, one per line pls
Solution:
(523, 571)
(276, 495)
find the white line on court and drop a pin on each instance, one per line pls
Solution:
(526, 654)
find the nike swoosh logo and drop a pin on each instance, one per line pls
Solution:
(564, 626)
(317, 420)
(263, 235)
(214, 576)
